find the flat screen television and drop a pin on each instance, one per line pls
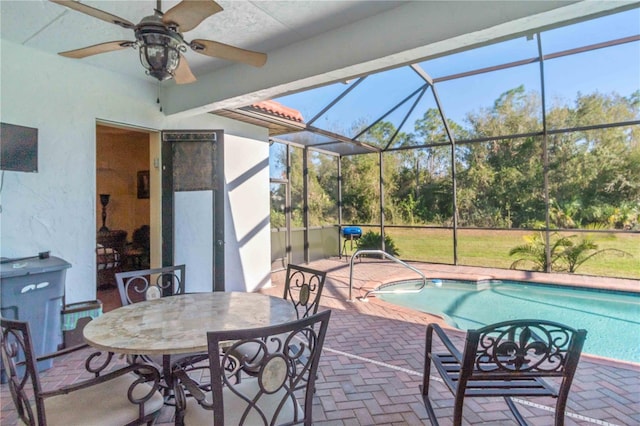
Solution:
(18, 148)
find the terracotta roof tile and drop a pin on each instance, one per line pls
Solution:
(276, 108)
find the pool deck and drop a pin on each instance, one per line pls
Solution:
(372, 361)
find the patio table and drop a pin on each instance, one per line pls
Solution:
(179, 324)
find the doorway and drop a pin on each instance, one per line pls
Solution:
(125, 195)
(193, 206)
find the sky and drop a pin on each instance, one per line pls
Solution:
(613, 69)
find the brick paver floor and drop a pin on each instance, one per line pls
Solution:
(372, 361)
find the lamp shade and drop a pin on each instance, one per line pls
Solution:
(104, 199)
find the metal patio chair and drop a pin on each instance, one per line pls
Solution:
(507, 359)
(303, 287)
(124, 396)
(149, 284)
(282, 391)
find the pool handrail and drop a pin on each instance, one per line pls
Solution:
(379, 289)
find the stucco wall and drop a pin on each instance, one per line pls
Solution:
(247, 217)
(55, 209)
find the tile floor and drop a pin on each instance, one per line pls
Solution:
(373, 357)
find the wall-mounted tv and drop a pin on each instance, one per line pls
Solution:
(18, 148)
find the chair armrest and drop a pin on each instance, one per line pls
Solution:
(445, 340)
(146, 374)
(62, 352)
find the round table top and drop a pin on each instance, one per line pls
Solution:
(179, 324)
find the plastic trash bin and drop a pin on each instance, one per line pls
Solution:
(74, 317)
(33, 290)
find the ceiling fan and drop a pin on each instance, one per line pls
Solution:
(160, 42)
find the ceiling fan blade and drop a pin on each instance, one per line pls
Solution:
(189, 13)
(96, 13)
(231, 53)
(97, 48)
(183, 74)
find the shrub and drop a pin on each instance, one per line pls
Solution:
(373, 241)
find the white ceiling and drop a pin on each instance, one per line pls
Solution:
(308, 43)
(256, 25)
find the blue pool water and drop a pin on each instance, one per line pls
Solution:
(612, 319)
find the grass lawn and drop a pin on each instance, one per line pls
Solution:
(490, 248)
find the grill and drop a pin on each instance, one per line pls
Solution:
(349, 233)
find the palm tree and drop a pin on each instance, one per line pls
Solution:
(576, 255)
(534, 251)
(565, 254)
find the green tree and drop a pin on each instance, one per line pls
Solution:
(598, 170)
(426, 172)
(361, 179)
(360, 188)
(501, 180)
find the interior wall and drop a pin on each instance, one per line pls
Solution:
(120, 155)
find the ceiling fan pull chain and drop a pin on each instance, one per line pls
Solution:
(158, 98)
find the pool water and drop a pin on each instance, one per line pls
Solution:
(612, 319)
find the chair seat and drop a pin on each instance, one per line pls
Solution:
(234, 406)
(449, 369)
(104, 404)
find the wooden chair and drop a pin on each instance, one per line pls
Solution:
(507, 359)
(137, 253)
(110, 252)
(149, 284)
(125, 396)
(282, 392)
(303, 286)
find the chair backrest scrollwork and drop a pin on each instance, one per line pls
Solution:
(303, 286)
(19, 363)
(148, 284)
(282, 390)
(524, 347)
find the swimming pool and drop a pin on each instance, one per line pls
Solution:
(612, 319)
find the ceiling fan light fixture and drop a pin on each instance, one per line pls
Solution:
(160, 52)
(159, 39)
